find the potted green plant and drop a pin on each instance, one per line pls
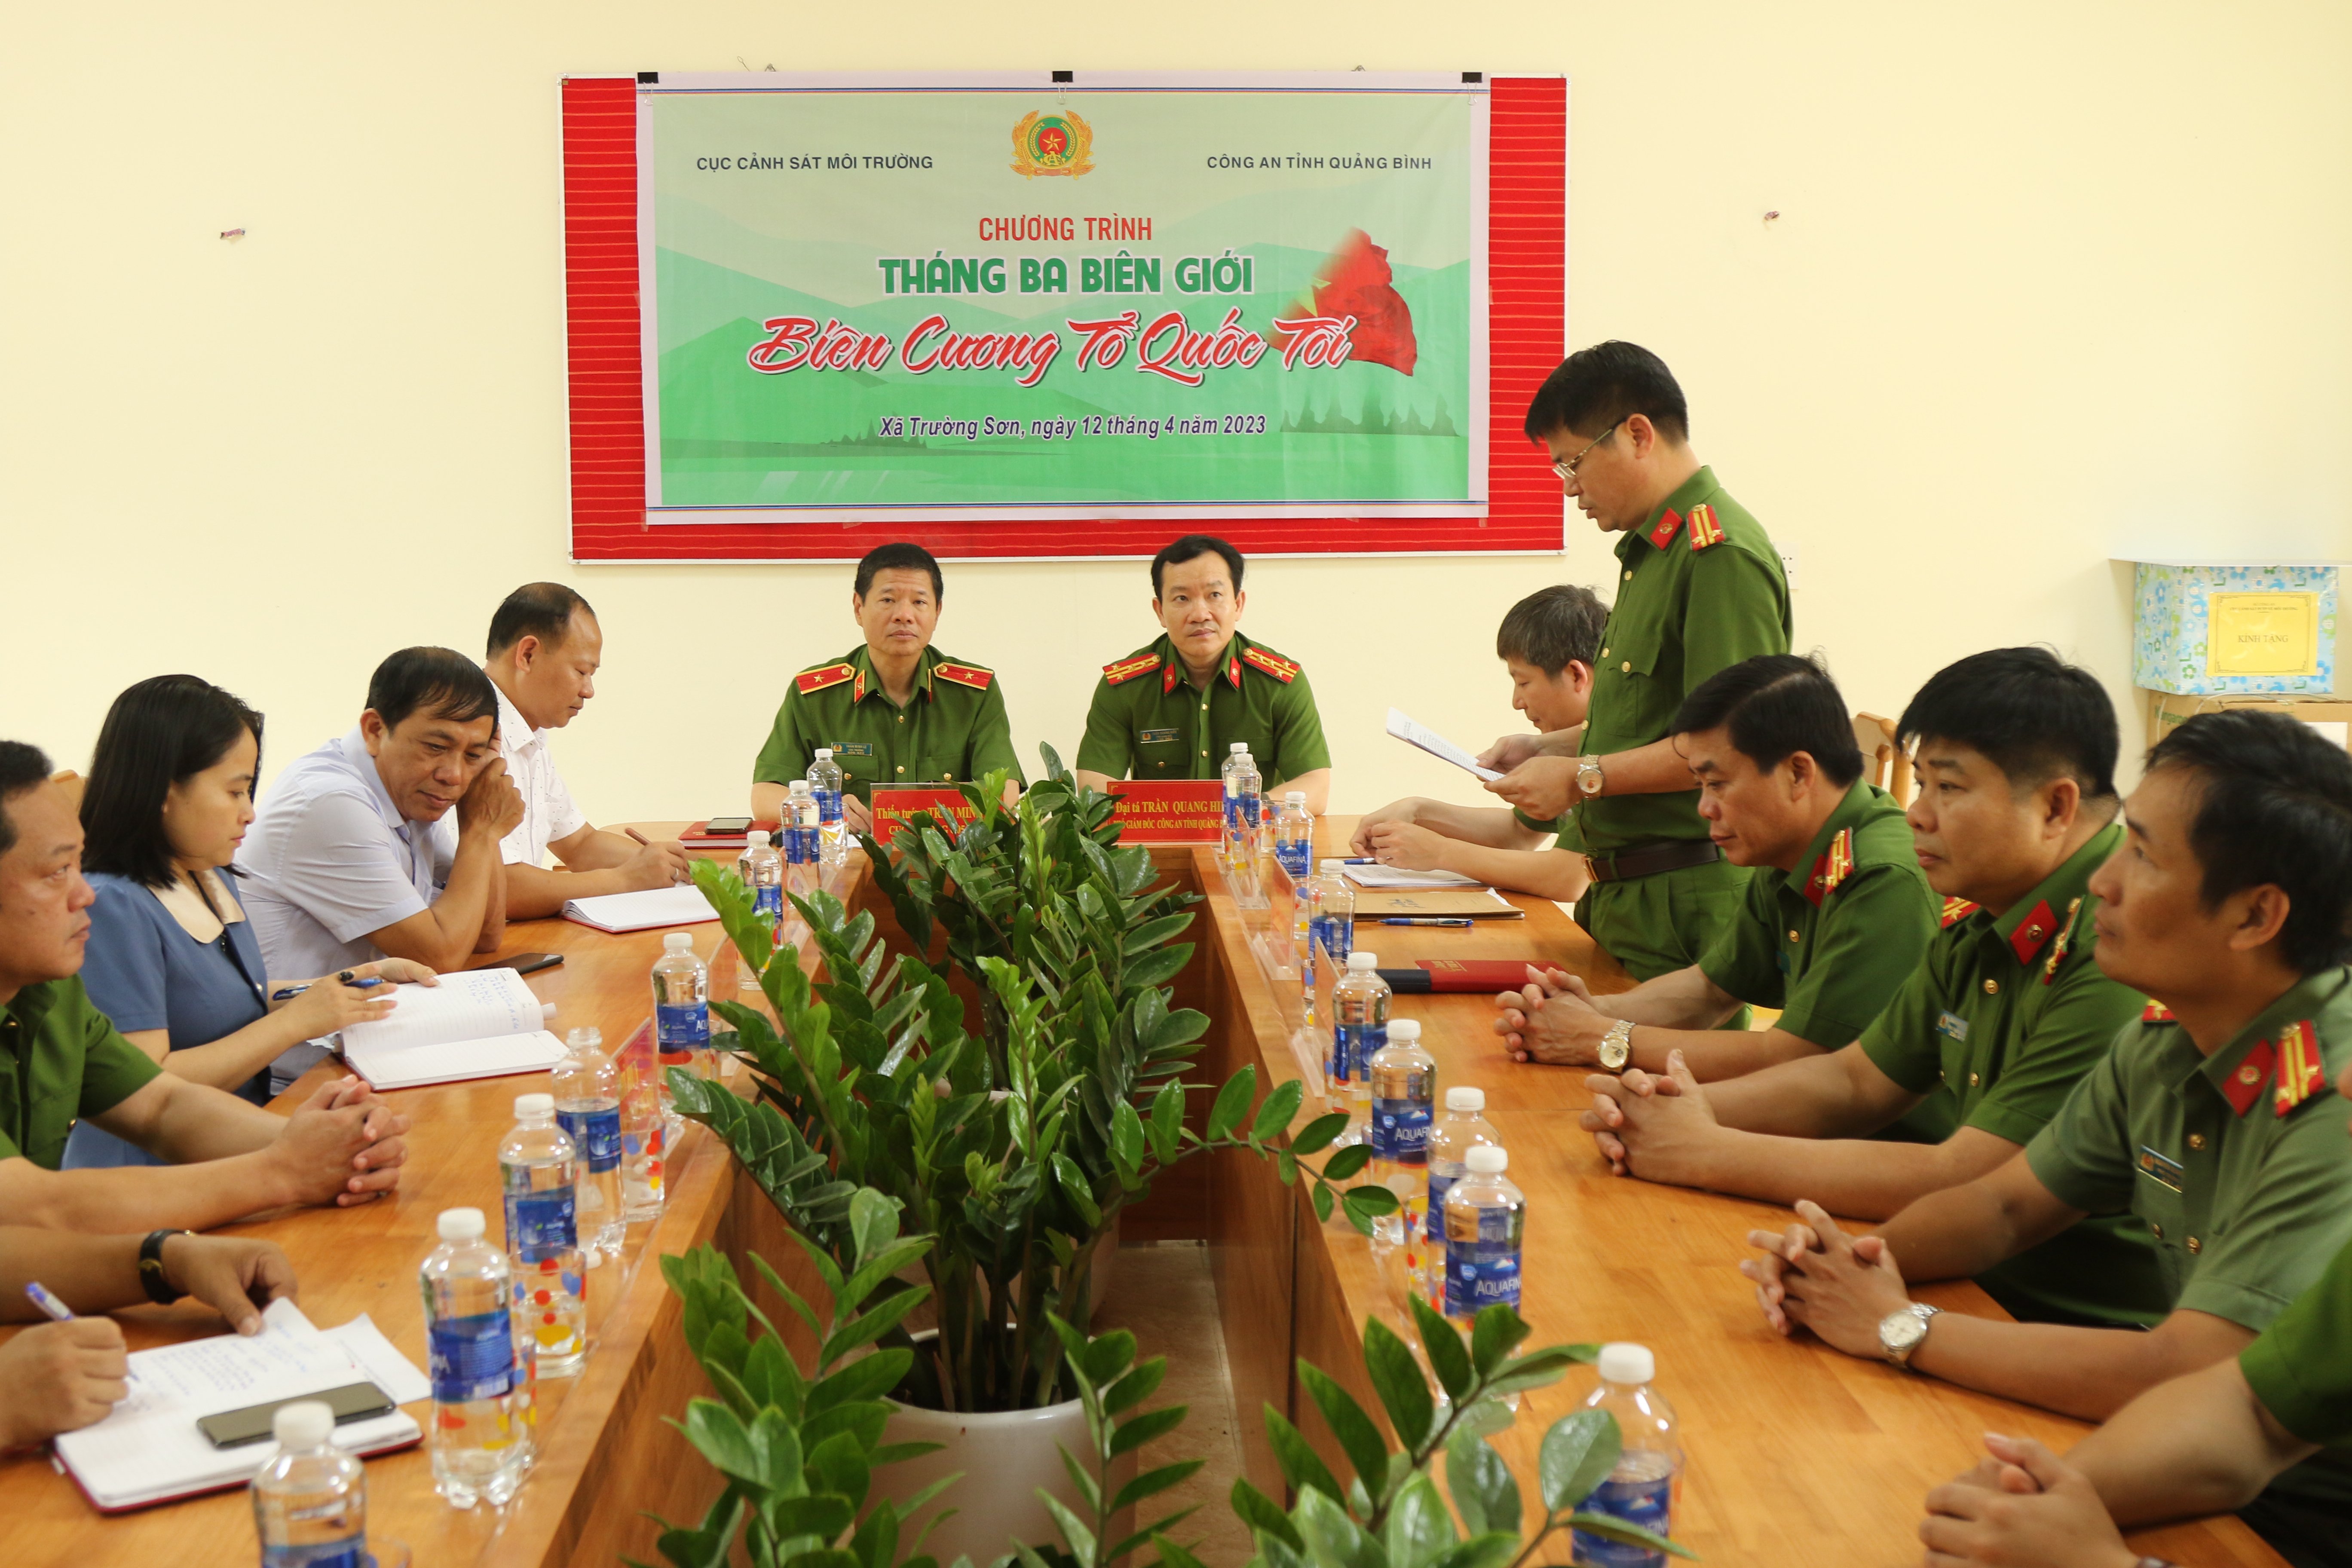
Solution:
(1015, 1148)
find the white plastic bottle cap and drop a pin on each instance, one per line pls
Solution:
(1358, 961)
(1624, 1362)
(1463, 1096)
(1333, 867)
(305, 1424)
(1406, 1029)
(683, 941)
(1241, 748)
(1294, 797)
(530, 1105)
(798, 786)
(461, 1225)
(751, 841)
(1487, 1160)
(825, 753)
(547, 1009)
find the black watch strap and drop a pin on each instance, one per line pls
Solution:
(151, 1268)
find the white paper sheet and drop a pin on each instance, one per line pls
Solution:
(470, 1005)
(454, 1061)
(1413, 734)
(648, 911)
(1394, 877)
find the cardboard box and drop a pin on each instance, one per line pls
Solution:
(2331, 717)
(2232, 630)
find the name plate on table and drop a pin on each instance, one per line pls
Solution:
(896, 805)
(1173, 811)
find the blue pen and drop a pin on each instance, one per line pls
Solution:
(1362, 861)
(1424, 921)
(59, 1311)
(291, 992)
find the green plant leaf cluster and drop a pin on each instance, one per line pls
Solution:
(798, 1445)
(1015, 1148)
(1111, 1383)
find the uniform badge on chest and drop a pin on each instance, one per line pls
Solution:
(2164, 1170)
(1953, 1028)
(1156, 737)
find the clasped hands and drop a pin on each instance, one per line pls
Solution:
(342, 1144)
(1552, 1019)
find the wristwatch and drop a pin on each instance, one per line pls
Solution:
(1589, 779)
(1902, 1331)
(152, 1278)
(1617, 1046)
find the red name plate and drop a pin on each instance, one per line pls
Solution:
(1178, 811)
(894, 804)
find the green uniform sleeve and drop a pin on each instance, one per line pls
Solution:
(1734, 612)
(2295, 1218)
(1872, 932)
(1745, 957)
(112, 1069)
(1902, 1042)
(1298, 746)
(1109, 746)
(2075, 1031)
(2084, 1156)
(991, 745)
(787, 754)
(2301, 1367)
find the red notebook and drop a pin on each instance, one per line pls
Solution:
(1489, 975)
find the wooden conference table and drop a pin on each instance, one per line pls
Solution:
(1797, 1454)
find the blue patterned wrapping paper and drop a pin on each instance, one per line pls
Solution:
(2168, 626)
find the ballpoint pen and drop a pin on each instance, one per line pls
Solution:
(288, 992)
(1424, 921)
(59, 1311)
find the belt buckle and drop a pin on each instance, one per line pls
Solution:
(1596, 871)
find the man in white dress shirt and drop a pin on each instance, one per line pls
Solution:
(545, 648)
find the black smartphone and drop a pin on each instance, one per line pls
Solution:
(729, 825)
(531, 963)
(236, 1428)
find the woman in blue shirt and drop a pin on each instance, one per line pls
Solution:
(171, 959)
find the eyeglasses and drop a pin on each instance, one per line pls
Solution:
(1566, 467)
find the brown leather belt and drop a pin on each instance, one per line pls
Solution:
(1649, 859)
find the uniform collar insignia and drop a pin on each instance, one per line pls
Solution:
(2156, 1012)
(2300, 1076)
(857, 692)
(1957, 909)
(1234, 669)
(2065, 940)
(1668, 522)
(2245, 1084)
(2037, 928)
(1833, 866)
(1167, 678)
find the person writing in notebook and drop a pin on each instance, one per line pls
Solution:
(172, 960)
(61, 1060)
(545, 650)
(62, 1376)
(1547, 643)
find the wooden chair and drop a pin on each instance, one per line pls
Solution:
(1884, 763)
(71, 782)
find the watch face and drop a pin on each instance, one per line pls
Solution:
(1899, 1331)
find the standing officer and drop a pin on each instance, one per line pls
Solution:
(1700, 588)
(894, 710)
(1173, 709)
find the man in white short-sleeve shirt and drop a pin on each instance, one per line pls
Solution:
(544, 650)
(341, 865)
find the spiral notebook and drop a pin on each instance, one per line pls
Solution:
(479, 1023)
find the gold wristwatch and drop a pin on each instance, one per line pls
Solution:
(1617, 1046)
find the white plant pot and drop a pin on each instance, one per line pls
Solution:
(1004, 1457)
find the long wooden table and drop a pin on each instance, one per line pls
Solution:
(1797, 1454)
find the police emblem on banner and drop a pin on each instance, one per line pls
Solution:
(1055, 144)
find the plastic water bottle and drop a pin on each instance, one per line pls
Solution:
(1403, 1082)
(762, 870)
(681, 1010)
(588, 1108)
(824, 783)
(309, 1503)
(1335, 913)
(1293, 836)
(1462, 1128)
(1486, 1219)
(803, 839)
(1244, 805)
(1360, 1027)
(1644, 1487)
(644, 1144)
(1306, 898)
(480, 1433)
(538, 1171)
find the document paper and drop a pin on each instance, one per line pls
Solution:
(482, 1023)
(648, 910)
(1436, 744)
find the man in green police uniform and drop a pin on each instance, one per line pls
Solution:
(894, 710)
(1699, 588)
(1982, 1042)
(61, 1060)
(1173, 709)
(2227, 904)
(1836, 915)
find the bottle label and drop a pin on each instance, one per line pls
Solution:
(828, 806)
(540, 1225)
(1482, 1260)
(681, 1029)
(769, 902)
(1433, 1222)
(1643, 1499)
(596, 1134)
(1352, 1045)
(351, 1552)
(800, 849)
(1401, 1129)
(1335, 934)
(1296, 856)
(471, 1358)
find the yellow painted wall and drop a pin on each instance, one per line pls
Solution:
(2050, 283)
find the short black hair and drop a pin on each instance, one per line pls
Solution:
(899, 557)
(2275, 805)
(1191, 547)
(162, 732)
(541, 610)
(2034, 714)
(1596, 389)
(437, 680)
(1776, 705)
(1553, 628)
(22, 767)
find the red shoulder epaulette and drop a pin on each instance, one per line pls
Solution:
(1668, 522)
(1957, 909)
(1704, 528)
(970, 675)
(2065, 942)
(823, 676)
(1128, 669)
(1266, 663)
(2300, 1076)
(2156, 1012)
(1836, 865)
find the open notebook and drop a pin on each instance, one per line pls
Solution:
(648, 910)
(482, 1023)
(149, 1451)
